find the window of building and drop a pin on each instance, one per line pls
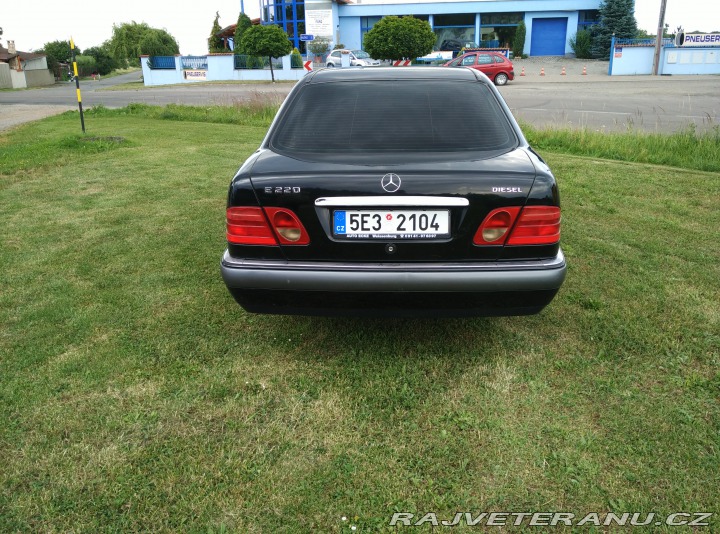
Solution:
(290, 16)
(498, 29)
(588, 17)
(454, 31)
(455, 20)
(366, 24)
(494, 19)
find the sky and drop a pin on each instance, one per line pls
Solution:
(32, 23)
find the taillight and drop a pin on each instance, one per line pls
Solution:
(531, 225)
(287, 226)
(495, 227)
(537, 225)
(249, 226)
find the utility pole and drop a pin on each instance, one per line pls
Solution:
(658, 42)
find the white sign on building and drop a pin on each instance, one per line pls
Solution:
(699, 39)
(318, 22)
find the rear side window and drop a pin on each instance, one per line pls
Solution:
(392, 116)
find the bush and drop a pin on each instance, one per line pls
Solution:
(518, 45)
(85, 64)
(581, 44)
(319, 46)
(296, 60)
(249, 62)
(256, 62)
(104, 62)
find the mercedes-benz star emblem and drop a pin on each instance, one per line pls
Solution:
(390, 182)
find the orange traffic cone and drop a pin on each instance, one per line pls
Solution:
(563, 72)
(542, 71)
(522, 73)
(584, 70)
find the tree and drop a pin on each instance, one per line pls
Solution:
(270, 41)
(518, 45)
(58, 52)
(243, 23)
(319, 46)
(215, 43)
(397, 38)
(131, 40)
(104, 62)
(156, 44)
(616, 17)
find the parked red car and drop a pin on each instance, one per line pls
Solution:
(492, 64)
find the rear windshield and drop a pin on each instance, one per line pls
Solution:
(376, 117)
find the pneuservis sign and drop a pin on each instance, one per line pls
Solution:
(697, 39)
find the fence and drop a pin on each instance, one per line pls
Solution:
(635, 57)
(193, 62)
(667, 42)
(167, 70)
(249, 62)
(161, 62)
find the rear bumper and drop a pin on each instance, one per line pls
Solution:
(497, 288)
(322, 276)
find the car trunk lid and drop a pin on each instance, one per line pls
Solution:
(448, 202)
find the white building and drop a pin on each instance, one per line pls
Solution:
(19, 70)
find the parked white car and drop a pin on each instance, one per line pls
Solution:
(358, 58)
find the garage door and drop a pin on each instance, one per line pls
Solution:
(548, 37)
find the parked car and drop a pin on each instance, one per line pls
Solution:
(358, 58)
(408, 192)
(492, 64)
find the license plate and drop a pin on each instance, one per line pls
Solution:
(391, 224)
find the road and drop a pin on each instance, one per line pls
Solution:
(597, 102)
(652, 104)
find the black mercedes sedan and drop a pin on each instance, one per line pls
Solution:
(394, 192)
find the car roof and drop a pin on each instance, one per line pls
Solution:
(491, 52)
(392, 73)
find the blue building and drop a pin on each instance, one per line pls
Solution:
(550, 23)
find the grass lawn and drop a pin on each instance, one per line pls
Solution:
(136, 395)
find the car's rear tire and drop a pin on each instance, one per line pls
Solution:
(330, 65)
(501, 79)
